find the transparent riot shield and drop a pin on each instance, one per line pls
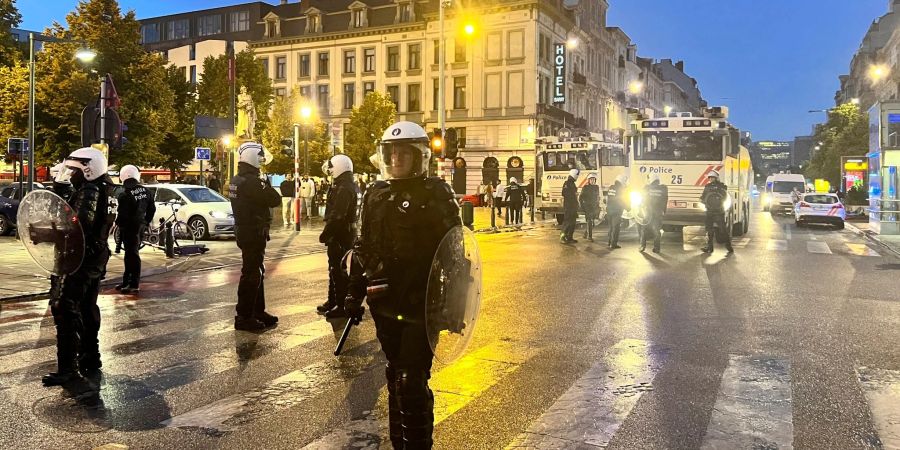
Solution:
(454, 295)
(50, 232)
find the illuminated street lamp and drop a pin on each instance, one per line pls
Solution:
(635, 87)
(854, 100)
(666, 110)
(469, 29)
(572, 43)
(878, 72)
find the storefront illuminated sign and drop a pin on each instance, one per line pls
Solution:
(559, 75)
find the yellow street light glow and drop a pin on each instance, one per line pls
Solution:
(469, 29)
(635, 87)
(530, 129)
(854, 100)
(877, 72)
(667, 109)
(85, 55)
(305, 112)
(226, 140)
(572, 43)
(437, 142)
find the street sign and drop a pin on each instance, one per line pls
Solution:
(203, 153)
(16, 148)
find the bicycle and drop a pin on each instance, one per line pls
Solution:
(153, 235)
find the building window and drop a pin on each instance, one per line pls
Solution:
(322, 98)
(459, 92)
(516, 44)
(149, 33)
(304, 92)
(461, 137)
(349, 95)
(405, 12)
(459, 47)
(273, 28)
(515, 89)
(323, 64)
(192, 52)
(209, 25)
(415, 56)
(436, 94)
(413, 97)
(281, 93)
(240, 20)
(359, 18)
(193, 74)
(492, 90)
(494, 47)
(369, 60)
(368, 87)
(265, 65)
(393, 57)
(349, 61)
(304, 65)
(178, 29)
(313, 23)
(281, 67)
(437, 51)
(394, 94)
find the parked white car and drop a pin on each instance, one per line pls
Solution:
(820, 208)
(205, 211)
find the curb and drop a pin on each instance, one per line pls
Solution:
(871, 237)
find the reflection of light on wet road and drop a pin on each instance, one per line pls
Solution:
(882, 391)
(592, 410)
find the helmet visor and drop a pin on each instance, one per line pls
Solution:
(403, 159)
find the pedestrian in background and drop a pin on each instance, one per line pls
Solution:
(615, 206)
(252, 197)
(488, 195)
(590, 204)
(339, 232)
(213, 182)
(570, 208)
(515, 199)
(287, 200)
(135, 211)
(499, 193)
(308, 195)
(656, 201)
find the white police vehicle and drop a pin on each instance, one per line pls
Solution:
(820, 208)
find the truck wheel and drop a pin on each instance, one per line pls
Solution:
(747, 220)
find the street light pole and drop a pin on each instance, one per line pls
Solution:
(30, 112)
(296, 177)
(443, 59)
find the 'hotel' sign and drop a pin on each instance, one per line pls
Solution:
(559, 75)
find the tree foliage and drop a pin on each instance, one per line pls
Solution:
(214, 90)
(178, 144)
(846, 133)
(10, 49)
(13, 101)
(64, 87)
(367, 122)
(281, 126)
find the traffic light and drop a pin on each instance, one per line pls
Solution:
(287, 147)
(451, 141)
(437, 143)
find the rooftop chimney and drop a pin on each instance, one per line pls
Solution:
(680, 64)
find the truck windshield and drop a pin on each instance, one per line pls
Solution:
(683, 146)
(612, 156)
(574, 159)
(783, 187)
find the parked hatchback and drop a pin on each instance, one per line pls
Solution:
(820, 208)
(205, 211)
(10, 196)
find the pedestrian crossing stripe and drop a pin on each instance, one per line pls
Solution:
(818, 247)
(776, 244)
(861, 250)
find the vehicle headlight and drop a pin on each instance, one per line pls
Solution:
(218, 214)
(636, 199)
(766, 199)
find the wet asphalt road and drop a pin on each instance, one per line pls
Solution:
(791, 342)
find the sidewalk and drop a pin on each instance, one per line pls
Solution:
(890, 242)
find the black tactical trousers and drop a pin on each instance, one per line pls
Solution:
(652, 230)
(570, 220)
(77, 320)
(615, 225)
(131, 241)
(338, 281)
(717, 220)
(515, 212)
(251, 292)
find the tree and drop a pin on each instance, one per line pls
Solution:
(177, 148)
(64, 87)
(10, 49)
(13, 101)
(846, 133)
(281, 126)
(367, 122)
(214, 90)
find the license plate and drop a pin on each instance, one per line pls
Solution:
(820, 208)
(677, 204)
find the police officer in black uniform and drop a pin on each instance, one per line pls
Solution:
(615, 206)
(339, 232)
(135, 211)
(515, 200)
(404, 220)
(75, 311)
(715, 197)
(252, 198)
(590, 204)
(657, 200)
(570, 208)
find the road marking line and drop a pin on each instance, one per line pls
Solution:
(776, 245)
(454, 387)
(754, 406)
(882, 391)
(741, 243)
(594, 408)
(860, 250)
(818, 247)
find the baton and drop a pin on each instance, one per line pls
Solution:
(350, 323)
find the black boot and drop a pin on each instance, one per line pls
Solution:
(66, 372)
(394, 416)
(325, 307)
(416, 409)
(267, 319)
(248, 324)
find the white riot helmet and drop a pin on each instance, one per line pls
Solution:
(513, 180)
(404, 151)
(653, 178)
(713, 174)
(339, 164)
(60, 174)
(253, 153)
(89, 161)
(622, 179)
(129, 172)
(574, 173)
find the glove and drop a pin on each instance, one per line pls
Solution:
(353, 307)
(323, 239)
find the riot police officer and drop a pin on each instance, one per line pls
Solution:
(252, 197)
(136, 210)
(75, 311)
(404, 219)
(590, 204)
(515, 200)
(615, 206)
(570, 208)
(339, 231)
(657, 196)
(715, 198)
